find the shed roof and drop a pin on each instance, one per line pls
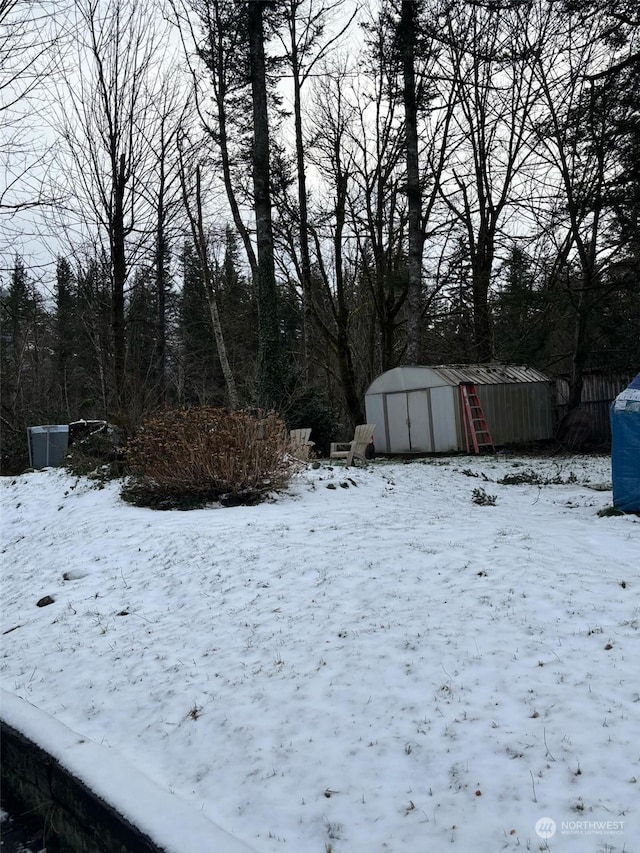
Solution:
(415, 377)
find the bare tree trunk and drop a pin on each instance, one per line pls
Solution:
(161, 289)
(270, 373)
(213, 304)
(305, 258)
(307, 46)
(580, 352)
(119, 278)
(199, 238)
(345, 358)
(225, 41)
(481, 266)
(407, 33)
(338, 334)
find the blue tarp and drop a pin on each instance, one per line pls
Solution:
(625, 448)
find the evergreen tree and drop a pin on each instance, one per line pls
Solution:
(66, 333)
(450, 337)
(95, 390)
(239, 316)
(143, 391)
(624, 191)
(520, 326)
(201, 381)
(25, 366)
(270, 379)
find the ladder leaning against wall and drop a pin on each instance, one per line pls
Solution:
(476, 429)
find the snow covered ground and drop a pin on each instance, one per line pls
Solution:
(385, 665)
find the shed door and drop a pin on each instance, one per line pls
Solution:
(445, 406)
(420, 432)
(409, 420)
(398, 420)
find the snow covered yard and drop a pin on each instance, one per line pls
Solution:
(386, 665)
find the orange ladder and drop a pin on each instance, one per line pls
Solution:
(476, 429)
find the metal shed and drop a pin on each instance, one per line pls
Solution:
(599, 390)
(418, 410)
(47, 445)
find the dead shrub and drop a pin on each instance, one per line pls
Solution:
(187, 458)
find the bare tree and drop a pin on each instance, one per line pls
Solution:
(489, 58)
(333, 157)
(214, 38)
(376, 197)
(160, 187)
(27, 64)
(407, 34)
(576, 143)
(306, 44)
(231, 45)
(105, 116)
(402, 140)
(191, 183)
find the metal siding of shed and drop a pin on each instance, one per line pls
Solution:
(517, 412)
(595, 388)
(374, 406)
(480, 374)
(598, 392)
(543, 398)
(420, 420)
(413, 378)
(447, 422)
(600, 419)
(405, 379)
